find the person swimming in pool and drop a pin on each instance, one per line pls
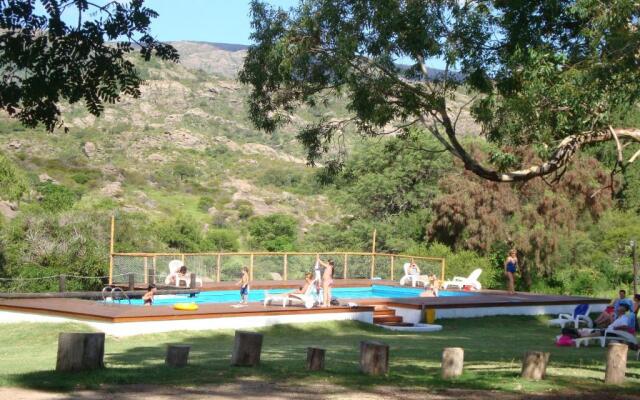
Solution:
(510, 268)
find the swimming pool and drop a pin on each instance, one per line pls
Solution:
(257, 295)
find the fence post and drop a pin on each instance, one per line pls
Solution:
(146, 272)
(132, 281)
(62, 283)
(284, 275)
(373, 254)
(345, 265)
(251, 267)
(111, 239)
(182, 258)
(392, 265)
(218, 269)
(155, 272)
(444, 265)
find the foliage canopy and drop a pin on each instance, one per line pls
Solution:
(546, 74)
(45, 60)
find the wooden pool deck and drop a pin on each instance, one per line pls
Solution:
(117, 313)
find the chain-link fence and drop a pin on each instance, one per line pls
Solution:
(226, 267)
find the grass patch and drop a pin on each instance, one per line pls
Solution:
(493, 350)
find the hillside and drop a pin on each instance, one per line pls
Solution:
(184, 146)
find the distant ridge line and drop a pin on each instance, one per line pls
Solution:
(222, 46)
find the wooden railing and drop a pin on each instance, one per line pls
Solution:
(150, 264)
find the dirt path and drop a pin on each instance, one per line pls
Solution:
(249, 389)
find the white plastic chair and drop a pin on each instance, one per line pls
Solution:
(174, 268)
(307, 298)
(413, 278)
(460, 281)
(187, 280)
(580, 314)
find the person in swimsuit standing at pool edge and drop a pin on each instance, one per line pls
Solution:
(510, 267)
(327, 281)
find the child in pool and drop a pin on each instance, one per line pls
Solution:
(244, 286)
(148, 297)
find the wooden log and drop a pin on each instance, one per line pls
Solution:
(246, 349)
(192, 282)
(616, 363)
(534, 365)
(80, 352)
(132, 281)
(177, 355)
(452, 362)
(62, 283)
(315, 359)
(374, 358)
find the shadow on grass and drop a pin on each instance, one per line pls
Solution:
(491, 361)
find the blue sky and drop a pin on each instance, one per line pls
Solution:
(223, 21)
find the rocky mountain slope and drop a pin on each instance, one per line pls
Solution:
(185, 146)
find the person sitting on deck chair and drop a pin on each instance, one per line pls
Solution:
(308, 281)
(611, 312)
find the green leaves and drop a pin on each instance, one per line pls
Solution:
(46, 61)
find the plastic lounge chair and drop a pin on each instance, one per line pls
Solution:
(307, 298)
(580, 314)
(412, 277)
(586, 341)
(174, 267)
(460, 282)
(620, 336)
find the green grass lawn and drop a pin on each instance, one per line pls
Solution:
(493, 349)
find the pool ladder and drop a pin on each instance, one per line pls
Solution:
(116, 294)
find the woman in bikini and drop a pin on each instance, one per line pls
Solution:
(510, 267)
(327, 281)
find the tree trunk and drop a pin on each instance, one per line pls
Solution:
(452, 362)
(246, 349)
(616, 363)
(374, 358)
(80, 351)
(315, 359)
(177, 355)
(534, 365)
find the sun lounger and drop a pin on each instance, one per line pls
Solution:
(413, 278)
(460, 281)
(580, 314)
(308, 299)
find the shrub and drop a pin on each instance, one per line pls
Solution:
(13, 184)
(220, 240)
(56, 198)
(275, 232)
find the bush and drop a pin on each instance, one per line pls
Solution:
(244, 208)
(276, 232)
(220, 240)
(56, 198)
(181, 234)
(13, 184)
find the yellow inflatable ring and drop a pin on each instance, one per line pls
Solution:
(185, 306)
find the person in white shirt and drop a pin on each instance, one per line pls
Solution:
(622, 323)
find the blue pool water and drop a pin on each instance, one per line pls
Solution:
(257, 295)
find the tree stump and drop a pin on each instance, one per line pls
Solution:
(374, 358)
(80, 351)
(315, 359)
(616, 363)
(534, 365)
(246, 349)
(452, 362)
(177, 355)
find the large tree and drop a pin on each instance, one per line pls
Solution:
(44, 59)
(544, 74)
